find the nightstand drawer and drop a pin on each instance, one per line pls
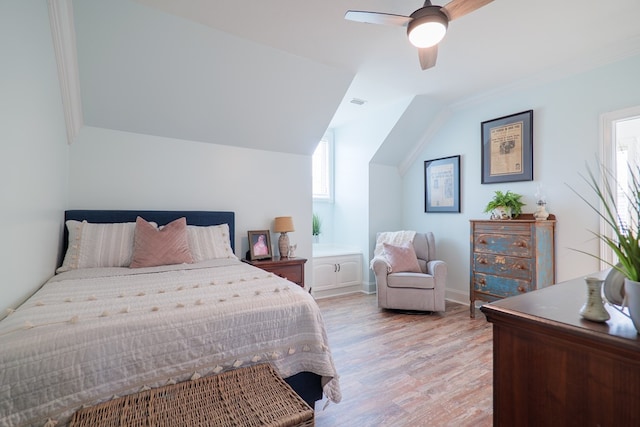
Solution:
(291, 269)
(293, 273)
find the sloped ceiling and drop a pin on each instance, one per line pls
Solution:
(275, 74)
(501, 43)
(145, 71)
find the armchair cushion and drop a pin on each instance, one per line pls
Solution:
(411, 280)
(401, 258)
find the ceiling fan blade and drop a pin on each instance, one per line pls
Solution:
(457, 8)
(428, 56)
(376, 18)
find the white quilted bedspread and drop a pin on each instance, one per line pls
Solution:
(89, 335)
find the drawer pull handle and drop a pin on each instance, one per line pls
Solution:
(482, 260)
(521, 244)
(521, 289)
(482, 282)
(482, 242)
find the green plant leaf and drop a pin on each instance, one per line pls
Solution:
(508, 200)
(625, 242)
(316, 226)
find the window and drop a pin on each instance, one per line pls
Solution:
(621, 149)
(323, 170)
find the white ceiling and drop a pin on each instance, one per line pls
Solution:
(274, 75)
(500, 45)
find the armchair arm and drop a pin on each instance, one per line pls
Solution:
(438, 269)
(380, 269)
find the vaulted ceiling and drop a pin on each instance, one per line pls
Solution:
(276, 74)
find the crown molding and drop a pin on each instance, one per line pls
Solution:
(64, 45)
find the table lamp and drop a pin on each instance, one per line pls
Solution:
(283, 224)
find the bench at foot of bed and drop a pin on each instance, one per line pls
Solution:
(251, 396)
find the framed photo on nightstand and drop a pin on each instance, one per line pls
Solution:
(259, 244)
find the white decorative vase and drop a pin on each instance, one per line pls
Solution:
(541, 213)
(632, 300)
(594, 309)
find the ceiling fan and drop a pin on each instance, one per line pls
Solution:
(426, 26)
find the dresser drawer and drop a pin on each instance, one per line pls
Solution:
(500, 265)
(503, 244)
(502, 227)
(292, 273)
(501, 287)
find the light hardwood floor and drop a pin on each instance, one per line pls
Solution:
(405, 369)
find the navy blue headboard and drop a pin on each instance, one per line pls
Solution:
(200, 218)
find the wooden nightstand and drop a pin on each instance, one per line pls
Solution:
(289, 268)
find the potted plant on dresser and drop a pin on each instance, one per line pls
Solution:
(505, 205)
(622, 285)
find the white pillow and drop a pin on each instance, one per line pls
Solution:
(209, 242)
(98, 245)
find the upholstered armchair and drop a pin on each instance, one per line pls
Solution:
(420, 288)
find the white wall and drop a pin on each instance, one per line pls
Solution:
(325, 213)
(33, 151)
(121, 170)
(385, 207)
(566, 136)
(355, 145)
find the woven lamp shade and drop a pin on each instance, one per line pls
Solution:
(283, 224)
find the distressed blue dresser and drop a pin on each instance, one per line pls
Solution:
(510, 257)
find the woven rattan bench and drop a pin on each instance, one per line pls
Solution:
(251, 396)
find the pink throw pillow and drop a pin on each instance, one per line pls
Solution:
(401, 258)
(166, 246)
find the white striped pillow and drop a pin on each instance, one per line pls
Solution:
(98, 245)
(209, 242)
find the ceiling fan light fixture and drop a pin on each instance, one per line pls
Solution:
(428, 26)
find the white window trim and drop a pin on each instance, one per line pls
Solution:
(608, 156)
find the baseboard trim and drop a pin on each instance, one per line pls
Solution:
(336, 292)
(452, 295)
(455, 295)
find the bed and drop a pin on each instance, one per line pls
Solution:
(95, 332)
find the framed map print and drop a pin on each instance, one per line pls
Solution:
(442, 185)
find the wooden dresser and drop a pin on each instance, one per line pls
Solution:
(510, 257)
(553, 368)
